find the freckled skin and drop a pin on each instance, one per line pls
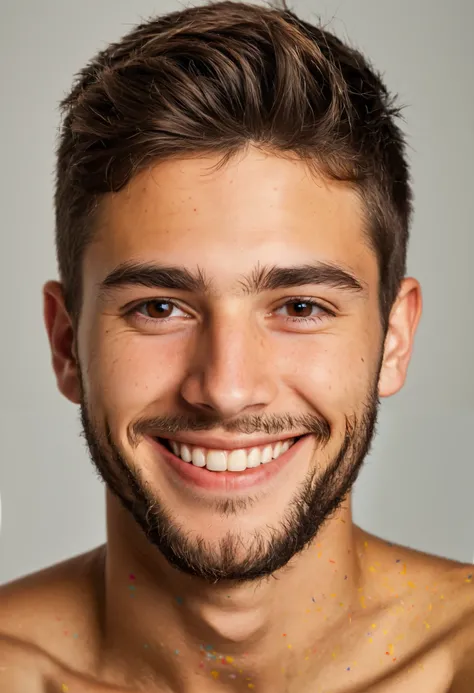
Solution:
(351, 612)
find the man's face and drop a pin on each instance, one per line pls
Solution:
(238, 358)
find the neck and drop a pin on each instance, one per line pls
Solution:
(175, 631)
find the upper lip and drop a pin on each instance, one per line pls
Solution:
(219, 443)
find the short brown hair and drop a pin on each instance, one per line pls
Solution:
(214, 79)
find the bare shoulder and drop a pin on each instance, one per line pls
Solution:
(415, 569)
(24, 667)
(433, 597)
(46, 619)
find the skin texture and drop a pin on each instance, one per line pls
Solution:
(348, 613)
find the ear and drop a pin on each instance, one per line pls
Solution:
(61, 336)
(398, 347)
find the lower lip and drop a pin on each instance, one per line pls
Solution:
(227, 481)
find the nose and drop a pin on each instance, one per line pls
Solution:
(231, 369)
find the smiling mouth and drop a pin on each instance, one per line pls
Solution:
(238, 460)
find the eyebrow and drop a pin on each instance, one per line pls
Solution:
(266, 278)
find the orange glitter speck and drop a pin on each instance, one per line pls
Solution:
(214, 674)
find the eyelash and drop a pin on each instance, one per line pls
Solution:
(296, 299)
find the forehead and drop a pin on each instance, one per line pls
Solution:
(258, 208)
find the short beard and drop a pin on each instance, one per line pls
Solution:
(315, 501)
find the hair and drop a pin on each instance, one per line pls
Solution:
(213, 80)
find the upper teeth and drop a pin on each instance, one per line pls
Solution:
(230, 460)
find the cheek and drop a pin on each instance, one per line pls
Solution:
(128, 373)
(333, 373)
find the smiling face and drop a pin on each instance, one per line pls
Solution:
(191, 331)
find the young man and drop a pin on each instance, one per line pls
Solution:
(241, 171)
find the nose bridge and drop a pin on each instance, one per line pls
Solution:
(231, 370)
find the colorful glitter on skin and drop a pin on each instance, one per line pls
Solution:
(217, 665)
(132, 588)
(64, 688)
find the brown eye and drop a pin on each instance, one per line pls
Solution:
(156, 309)
(300, 309)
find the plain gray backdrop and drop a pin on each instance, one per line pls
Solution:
(417, 484)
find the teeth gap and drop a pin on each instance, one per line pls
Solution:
(166, 443)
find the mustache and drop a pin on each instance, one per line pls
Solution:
(269, 425)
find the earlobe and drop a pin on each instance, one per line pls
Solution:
(61, 337)
(403, 322)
